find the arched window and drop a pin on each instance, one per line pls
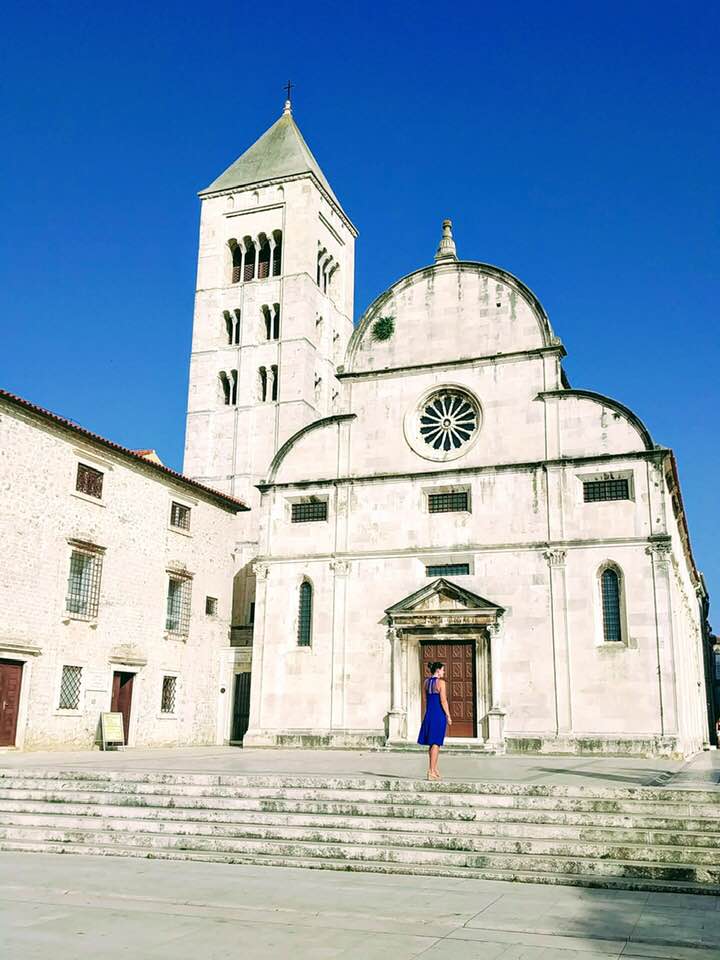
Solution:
(262, 384)
(275, 384)
(249, 271)
(225, 388)
(611, 611)
(267, 317)
(232, 325)
(276, 322)
(264, 261)
(277, 253)
(236, 250)
(305, 614)
(233, 387)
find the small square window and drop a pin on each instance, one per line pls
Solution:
(309, 511)
(595, 490)
(89, 481)
(448, 570)
(70, 688)
(454, 502)
(167, 697)
(180, 516)
(211, 606)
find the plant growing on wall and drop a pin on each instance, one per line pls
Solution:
(383, 328)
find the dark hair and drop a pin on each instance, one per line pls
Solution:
(435, 665)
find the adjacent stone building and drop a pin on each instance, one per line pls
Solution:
(115, 590)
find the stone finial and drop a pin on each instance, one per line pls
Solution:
(446, 249)
(288, 108)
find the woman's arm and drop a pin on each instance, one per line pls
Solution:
(443, 700)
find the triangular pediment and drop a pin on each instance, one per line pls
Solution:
(443, 597)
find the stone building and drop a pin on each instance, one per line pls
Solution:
(428, 486)
(115, 590)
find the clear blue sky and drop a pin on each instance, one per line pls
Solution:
(574, 144)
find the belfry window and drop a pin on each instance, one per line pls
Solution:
(264, 261)
(232, 326)
(262, 384)
(250, 257)
(229, 387)
(236, 262)
(271, 319)
(611, 612)
(275, 384)
(305, 615)
(277, 253)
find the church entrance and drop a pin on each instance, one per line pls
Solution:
(122, 698)
(10, 678)
(459, 659)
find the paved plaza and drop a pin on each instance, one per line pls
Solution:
(702, 772)
(73, 908)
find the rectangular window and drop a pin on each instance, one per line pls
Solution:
(180, 516)
(167, 697)
(448, 570)
(178, 605)
(89, 481)
(211, 606)
(448, 502)
(83, 591)
(594, 490)
(70, 688)
(312, 510)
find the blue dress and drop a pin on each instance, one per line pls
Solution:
(432, 731)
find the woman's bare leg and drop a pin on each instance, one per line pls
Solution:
(434, 752)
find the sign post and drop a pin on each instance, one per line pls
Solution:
(111, 728)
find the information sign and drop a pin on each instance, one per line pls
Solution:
(111, 725)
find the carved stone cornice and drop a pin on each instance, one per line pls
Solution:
(341, 568)
(661, 552)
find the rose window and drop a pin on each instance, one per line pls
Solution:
(448, 420)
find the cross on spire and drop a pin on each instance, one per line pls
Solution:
(288, 91)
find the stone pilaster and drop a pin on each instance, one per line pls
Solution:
(660, 553)
(340, 569)
(496, 714)
(560, 640)
(397, 719)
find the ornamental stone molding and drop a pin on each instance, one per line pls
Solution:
(261, 570)
(660, 552)
(555, 557)
(341, 568)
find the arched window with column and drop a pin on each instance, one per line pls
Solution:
(250, 257)
(304, 635)
(277, 253)
(236, 254)
(263, 270)
(611, 601)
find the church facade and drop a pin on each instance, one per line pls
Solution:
(425, 486)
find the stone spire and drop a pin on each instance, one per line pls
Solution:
(446, 249)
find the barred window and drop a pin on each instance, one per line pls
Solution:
(594, 490)
(180, 516)
(610, 590)
(178, 605)
(448, 570)
(70, 688)
(167, 697)
(448, 502)
(305, 614)
(89, 481)
(211, 606)
(83, 592)
(312, 510)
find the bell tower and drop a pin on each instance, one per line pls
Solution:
(273, 310)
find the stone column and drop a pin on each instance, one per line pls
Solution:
(396, 716)
(496, 714)
(560, 640)
(261, 571)
(660, 554)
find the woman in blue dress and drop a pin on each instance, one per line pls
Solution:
(437, 717)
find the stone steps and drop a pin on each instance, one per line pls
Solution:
(519, 827)
(631, 838)
(516, 840)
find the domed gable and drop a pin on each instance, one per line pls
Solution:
(453, 310)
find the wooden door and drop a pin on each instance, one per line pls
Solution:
(122, 698)
(241, 706)
(459, 660)
(10, 679)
